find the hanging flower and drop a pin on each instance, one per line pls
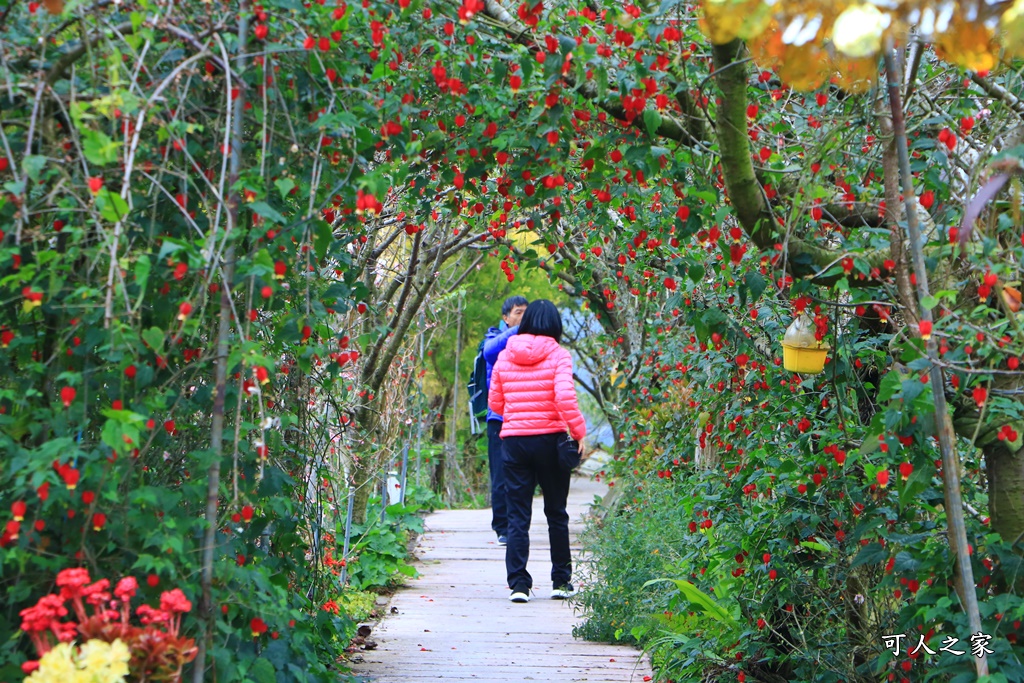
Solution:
(67, 395)
(258, 627)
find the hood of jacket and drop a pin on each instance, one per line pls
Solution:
(530, 349)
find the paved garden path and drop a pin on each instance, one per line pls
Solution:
(455, 621)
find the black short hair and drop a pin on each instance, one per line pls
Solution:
(511, 303)
(543, 319)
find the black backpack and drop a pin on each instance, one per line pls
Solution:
(477, 389)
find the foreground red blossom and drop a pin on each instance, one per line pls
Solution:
(156, 648)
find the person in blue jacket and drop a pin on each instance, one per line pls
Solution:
(494, 343)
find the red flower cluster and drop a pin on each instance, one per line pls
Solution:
(156, 649)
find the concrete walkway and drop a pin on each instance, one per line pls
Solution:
(455, 621)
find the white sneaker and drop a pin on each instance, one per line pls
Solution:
(563, 592)
(519, 596)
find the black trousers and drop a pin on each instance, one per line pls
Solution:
(496, 462)
(532, 460)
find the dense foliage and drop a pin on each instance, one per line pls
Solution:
(229, 230)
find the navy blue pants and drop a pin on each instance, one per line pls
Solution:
(496, 462)
(532, 460)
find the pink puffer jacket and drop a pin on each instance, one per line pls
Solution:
(533, 390)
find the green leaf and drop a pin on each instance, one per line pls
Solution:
(380, 71)
(929, 302)
(527, 66)
(99, 148)
(891, 385)
(905, 563)
(262, 671)
(756, 283)
(652, 120)
(322, 238)
(112, 207)
(33, 165)
(816, 545)
(872, 553)
(265, 210)
(284, 186)
(700, 599)
(154, 337)
(142, 270)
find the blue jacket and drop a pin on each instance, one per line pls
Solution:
(494, 344)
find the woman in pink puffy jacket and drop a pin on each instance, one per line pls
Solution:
(542, 433)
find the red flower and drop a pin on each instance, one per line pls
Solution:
(153, 580)
(67, 395)
(280, 269)
(175, 602)
(169, 426)
(130, 372)
(99, 520)
(247, 513)
(18, 510)
(980, 393)
(925, 326)
(258, 627)
(883, 478)
(95, 184)
(70, 476)
(906, 469)
(184, 310)
(126, 588)
(262, 375)
(1006, 433)
(150, 615)
(72, 581)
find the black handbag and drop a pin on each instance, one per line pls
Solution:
(568, 453)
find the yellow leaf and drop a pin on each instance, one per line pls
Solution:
(1011, 29)
(724, 20)
(803, 67)
(855, 75)
(767, 49)
(969, 45)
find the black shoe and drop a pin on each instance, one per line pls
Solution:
(563, 592)
(520, 595)
(502, 539)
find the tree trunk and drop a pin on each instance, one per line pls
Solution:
(1005, 467)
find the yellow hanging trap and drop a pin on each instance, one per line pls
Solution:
(801, 351)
